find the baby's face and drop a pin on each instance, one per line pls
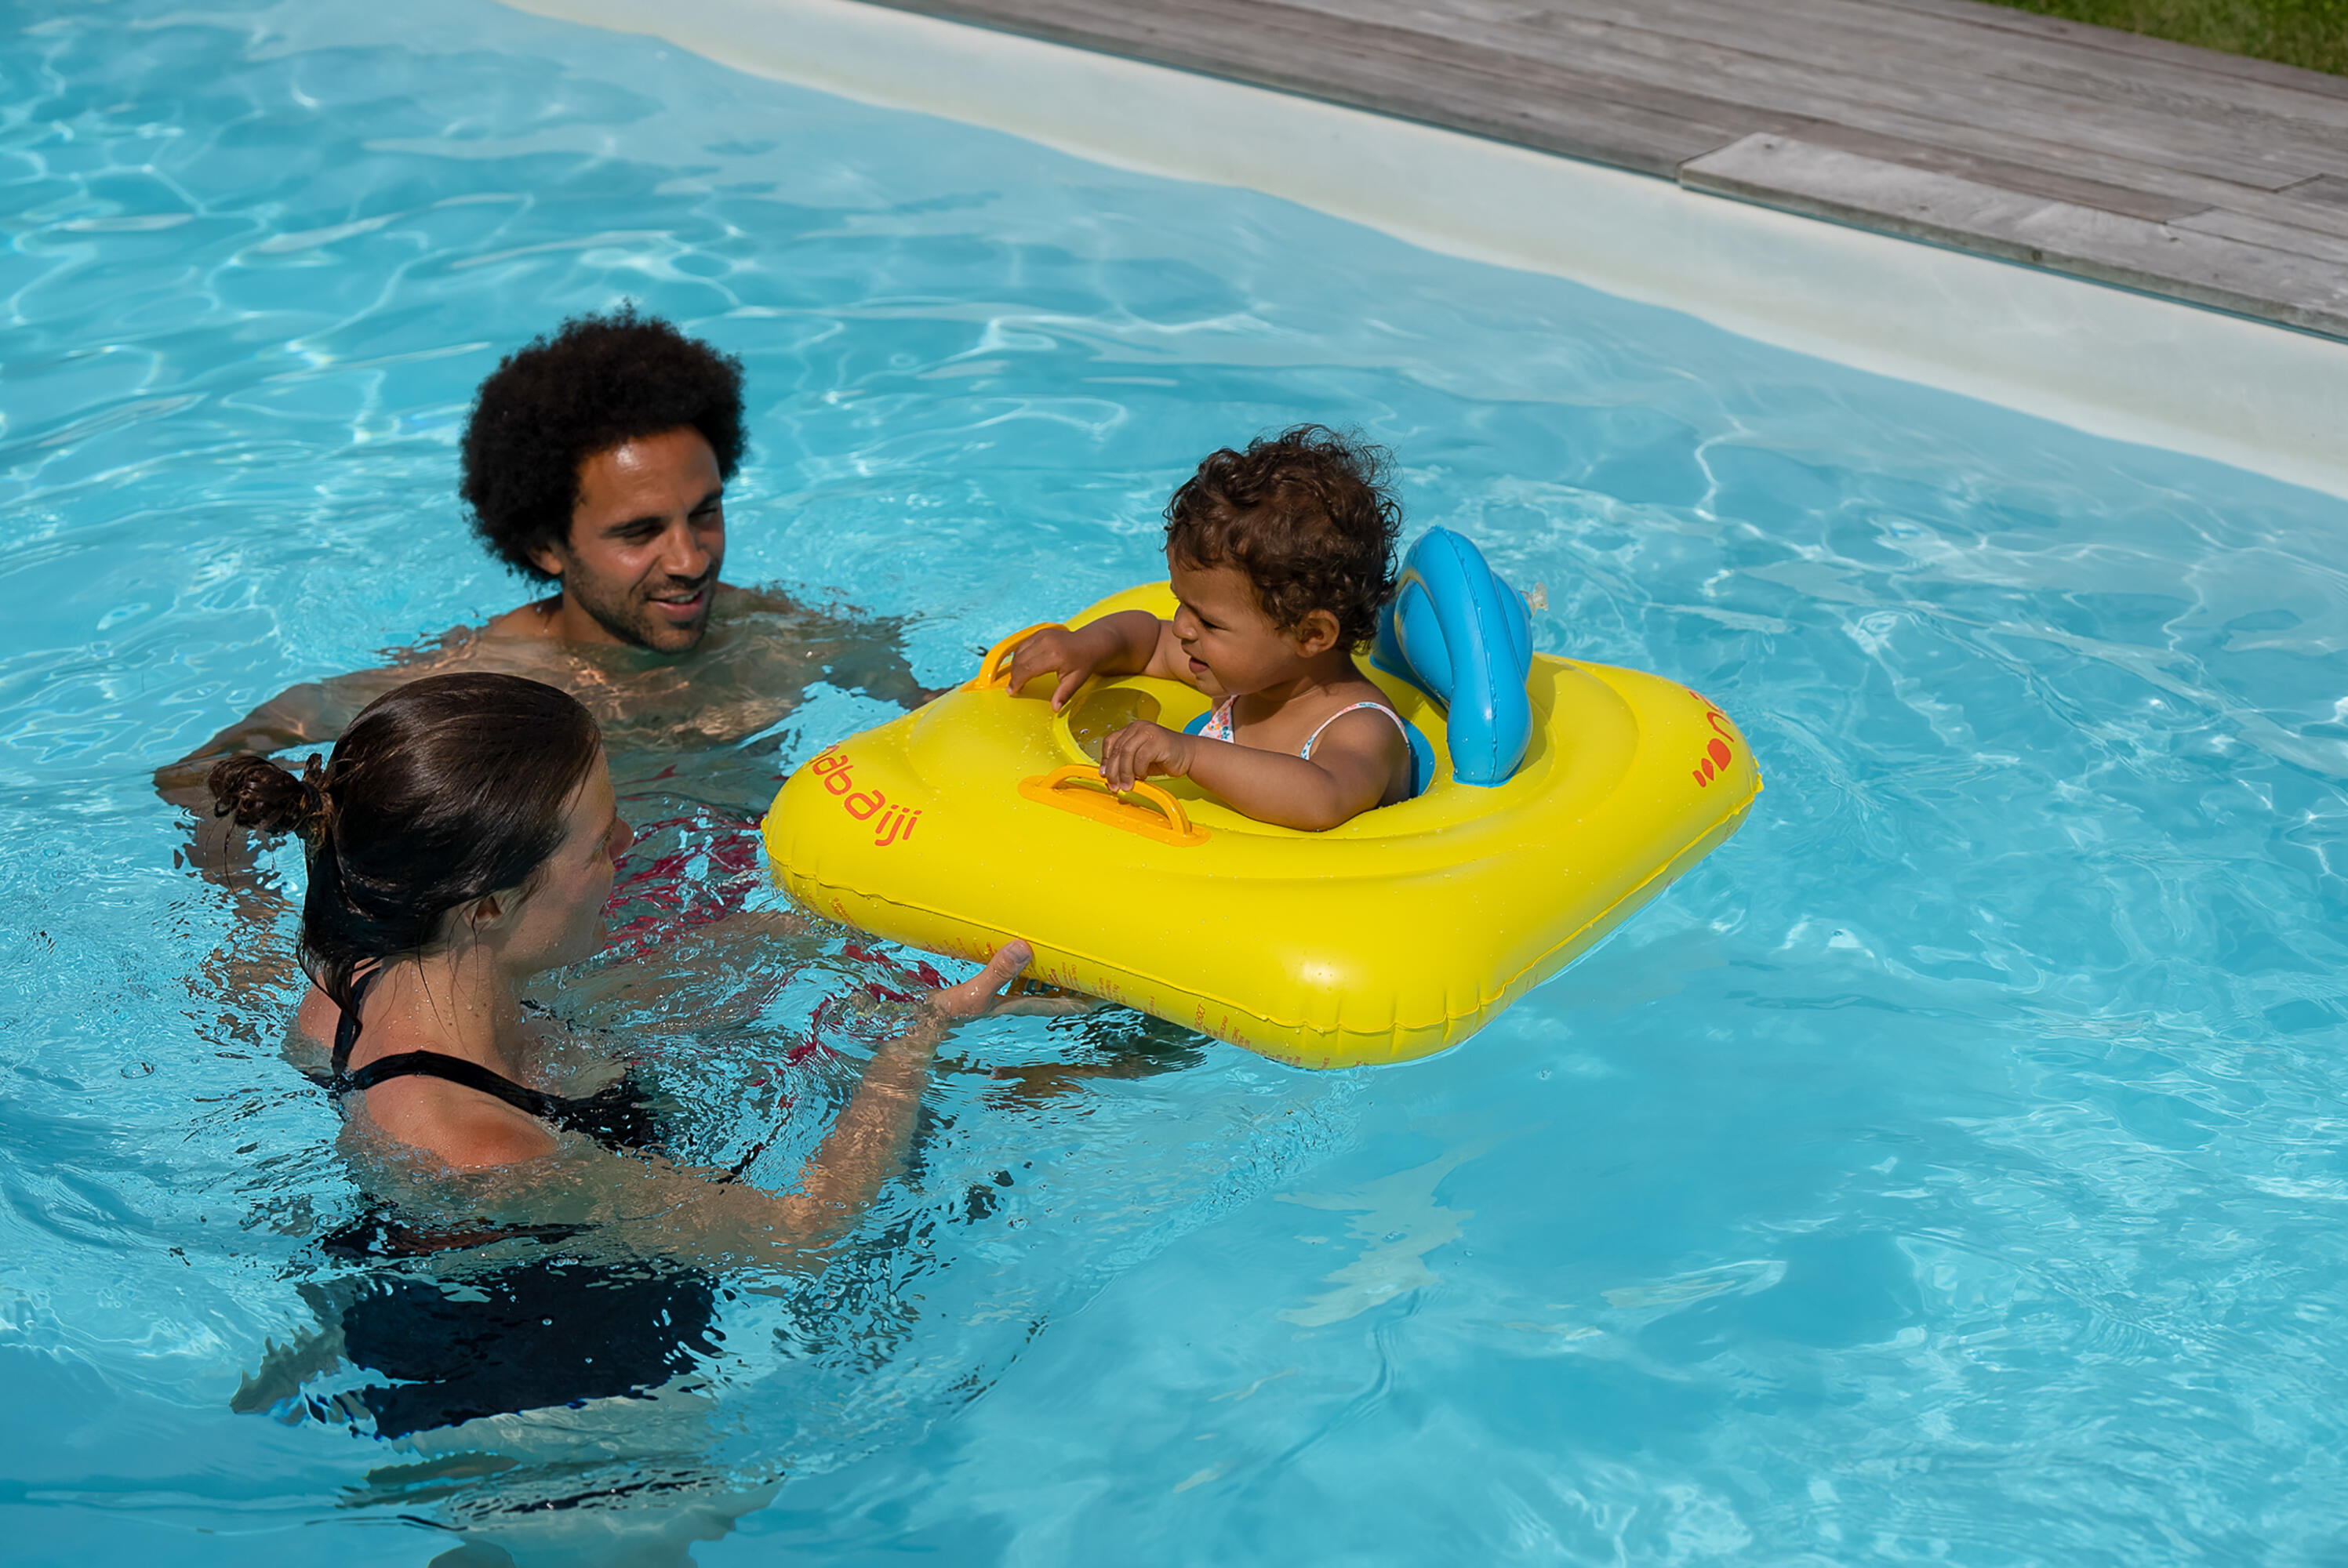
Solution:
(1234, 647)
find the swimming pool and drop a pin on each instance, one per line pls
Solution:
(1949, 1168)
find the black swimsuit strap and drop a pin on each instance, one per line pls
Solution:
(616, 1116)
(346, 1029)
(456, 1070)
(428, 1064)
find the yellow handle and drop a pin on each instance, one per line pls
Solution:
(1174, 828)
(989, 678)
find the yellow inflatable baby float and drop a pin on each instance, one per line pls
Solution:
(980, 817)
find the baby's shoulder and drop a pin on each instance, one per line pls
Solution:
(1354, 696)
(1360, 711)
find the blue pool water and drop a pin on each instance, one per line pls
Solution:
(1950, 1169)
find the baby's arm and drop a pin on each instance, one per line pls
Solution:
(1346, 775)
(1130, 642)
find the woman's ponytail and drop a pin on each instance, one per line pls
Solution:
(261, 794)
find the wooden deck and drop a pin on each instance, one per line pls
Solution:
(2203, 177)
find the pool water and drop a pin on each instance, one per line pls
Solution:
(1954, 1167)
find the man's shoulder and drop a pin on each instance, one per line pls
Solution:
(532, 620)
(735, 601)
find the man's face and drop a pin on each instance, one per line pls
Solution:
(647, 537)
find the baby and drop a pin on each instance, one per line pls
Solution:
(1281, 556)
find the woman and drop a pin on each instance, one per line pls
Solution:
(461, 840)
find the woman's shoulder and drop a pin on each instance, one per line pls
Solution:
(464, 1129)
(312, 1032)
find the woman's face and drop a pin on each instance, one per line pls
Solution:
(560, 919)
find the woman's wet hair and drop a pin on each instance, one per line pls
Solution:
(598, 382)
(442, 791)
(1306, 516)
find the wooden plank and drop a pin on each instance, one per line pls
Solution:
(2288, 207)
(1586, 140)
(2054, 149)
(2024, 178)
(2330, 190)
(2176, 92)
(2205, 268)
(2135, 45)
(1921, 143)
(1525, 89)
(1980, 42)
(1870, 45)
(1935, 116)
(1645, 126)
(2290, 237)
(1666, 35)
(1766, 66)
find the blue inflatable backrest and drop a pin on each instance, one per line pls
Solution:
(1459, 634)
(1422, 752)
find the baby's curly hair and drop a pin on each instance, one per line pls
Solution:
(1306, 516)
(599, 381)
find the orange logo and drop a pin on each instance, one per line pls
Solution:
(891, 823)
(1720, 750)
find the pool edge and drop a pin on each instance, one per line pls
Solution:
(2098, 358)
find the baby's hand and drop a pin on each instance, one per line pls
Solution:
(1071, 654)
(1139, 751)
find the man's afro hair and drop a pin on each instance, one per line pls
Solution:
(598, 382)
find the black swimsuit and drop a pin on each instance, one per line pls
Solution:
(618, 1116)
(538, 1332)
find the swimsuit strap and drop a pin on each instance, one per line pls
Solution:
(618, 1116)
(1219, 725)
(346, 1029)
(455, 1070)
(1380, 707)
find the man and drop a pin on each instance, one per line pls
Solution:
(596, 461)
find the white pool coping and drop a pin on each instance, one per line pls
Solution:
(2099, 358)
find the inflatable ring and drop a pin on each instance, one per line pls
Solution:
(980, 817)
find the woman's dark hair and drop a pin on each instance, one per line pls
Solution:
(597, 382)
(444, 791)
(1306, 516)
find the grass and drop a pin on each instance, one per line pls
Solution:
(2311, 33)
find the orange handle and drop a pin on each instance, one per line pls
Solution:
(1101, 805)
(989, 678)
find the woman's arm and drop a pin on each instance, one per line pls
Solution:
(704, 1216)
(844, 1174)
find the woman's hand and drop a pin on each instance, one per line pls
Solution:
(998, 991)
(1141, 750)
(982, 993)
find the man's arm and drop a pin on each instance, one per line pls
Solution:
(290, 718)
(857, 654)
(312, 714)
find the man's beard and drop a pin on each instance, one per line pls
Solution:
(632, 620)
